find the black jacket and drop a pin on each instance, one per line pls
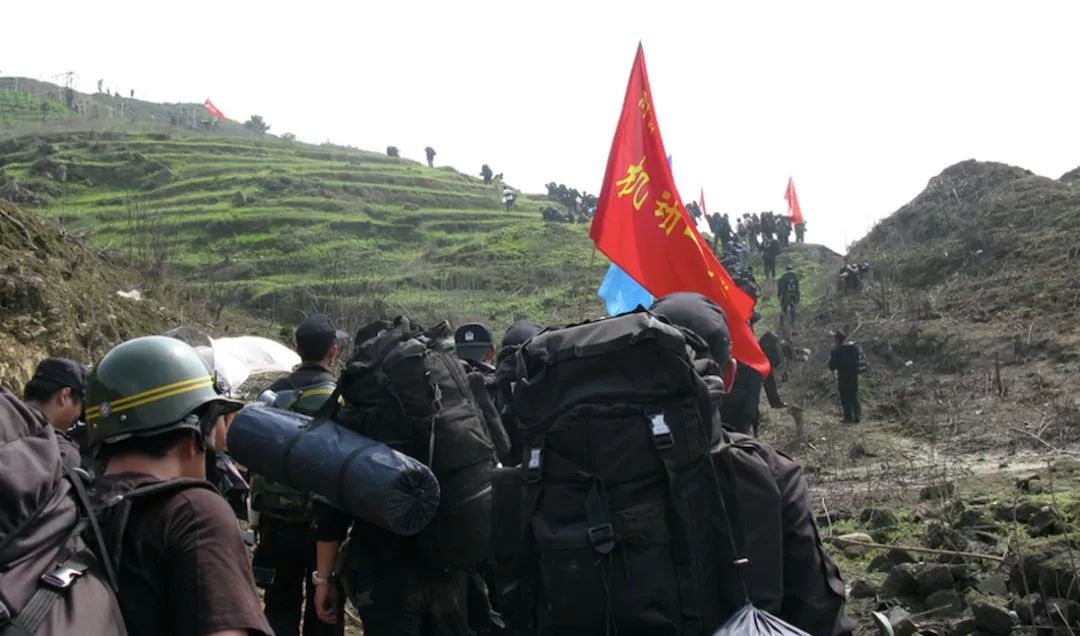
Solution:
(740, 409)
(307, 374)
(787, 287)
(845, 361)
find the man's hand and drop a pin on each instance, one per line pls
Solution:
(326, 603)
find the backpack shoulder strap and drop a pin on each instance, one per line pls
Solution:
(729, 507)
(51, 586)
(113, 514)
(54, 583)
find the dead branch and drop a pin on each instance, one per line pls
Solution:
(906, 548)
(1036, 438)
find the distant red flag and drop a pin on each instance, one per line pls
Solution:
(643, 227)
(794, 211)
(213, 110)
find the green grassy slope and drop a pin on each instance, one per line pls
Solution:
(317, 227)
(816, 265)
(28, 105)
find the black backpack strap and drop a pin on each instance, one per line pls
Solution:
(667, 447)
(51, 586)
(114, 513)
(331, 406)
(729, 509)
(100, 548)
(54, 583)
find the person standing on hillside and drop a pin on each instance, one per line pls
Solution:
(769, 252)
(155, 414)
(784, 230)
(487, 174)
(724, 229)
(787, 288)
(770, 346)
(430, 152)
(800, 232)
(284, 558)
(847, 361)
(508, 198)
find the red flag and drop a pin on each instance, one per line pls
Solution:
(213, 110)
(794, 211)
(643, 227)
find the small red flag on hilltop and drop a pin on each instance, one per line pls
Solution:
(794, 211)
(213, 110)
(642, 225)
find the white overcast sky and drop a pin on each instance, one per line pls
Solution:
(862, 101)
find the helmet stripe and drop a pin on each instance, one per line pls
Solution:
(169, 390)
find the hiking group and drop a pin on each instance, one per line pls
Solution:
(599, 478)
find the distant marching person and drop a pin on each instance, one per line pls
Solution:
(508, 198)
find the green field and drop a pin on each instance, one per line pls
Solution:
(316, 228)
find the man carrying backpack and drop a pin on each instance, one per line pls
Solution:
(474, 344)
(404, 386)
(285, 554)
(787, 288)
(848, 361)
(769, 252)
(57, 390)
(787, 572)
(154, 411)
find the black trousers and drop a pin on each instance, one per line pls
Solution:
(849, 399)
(787, 313)
(286, 551)
(770, 267)
(410, 600)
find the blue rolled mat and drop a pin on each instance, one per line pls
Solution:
(366, 479)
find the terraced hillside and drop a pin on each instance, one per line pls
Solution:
(285, 228)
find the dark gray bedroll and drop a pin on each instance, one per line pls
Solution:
(367, 479)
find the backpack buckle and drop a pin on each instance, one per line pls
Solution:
(532, 474)
(661, 432)
(61, 577)
(602, 538)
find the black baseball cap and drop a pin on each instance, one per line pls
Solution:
(60, 373)
(317, 334)
(474, 341)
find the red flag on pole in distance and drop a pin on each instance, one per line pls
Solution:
(794, 211)
(642, 225)
(213, 110)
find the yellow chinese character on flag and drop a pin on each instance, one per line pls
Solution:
(669, 212)
(635, 182)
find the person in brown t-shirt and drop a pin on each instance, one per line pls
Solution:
(154, 413)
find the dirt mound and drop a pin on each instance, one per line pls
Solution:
(58, 297)
(1070, 176)
(969, 314)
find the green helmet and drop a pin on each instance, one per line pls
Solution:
(149, 386)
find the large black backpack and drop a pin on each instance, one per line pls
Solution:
(54, 578)
(615, 498)
(405, 387)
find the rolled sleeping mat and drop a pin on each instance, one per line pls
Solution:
(358, 475)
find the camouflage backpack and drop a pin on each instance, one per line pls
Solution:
(278, 500)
